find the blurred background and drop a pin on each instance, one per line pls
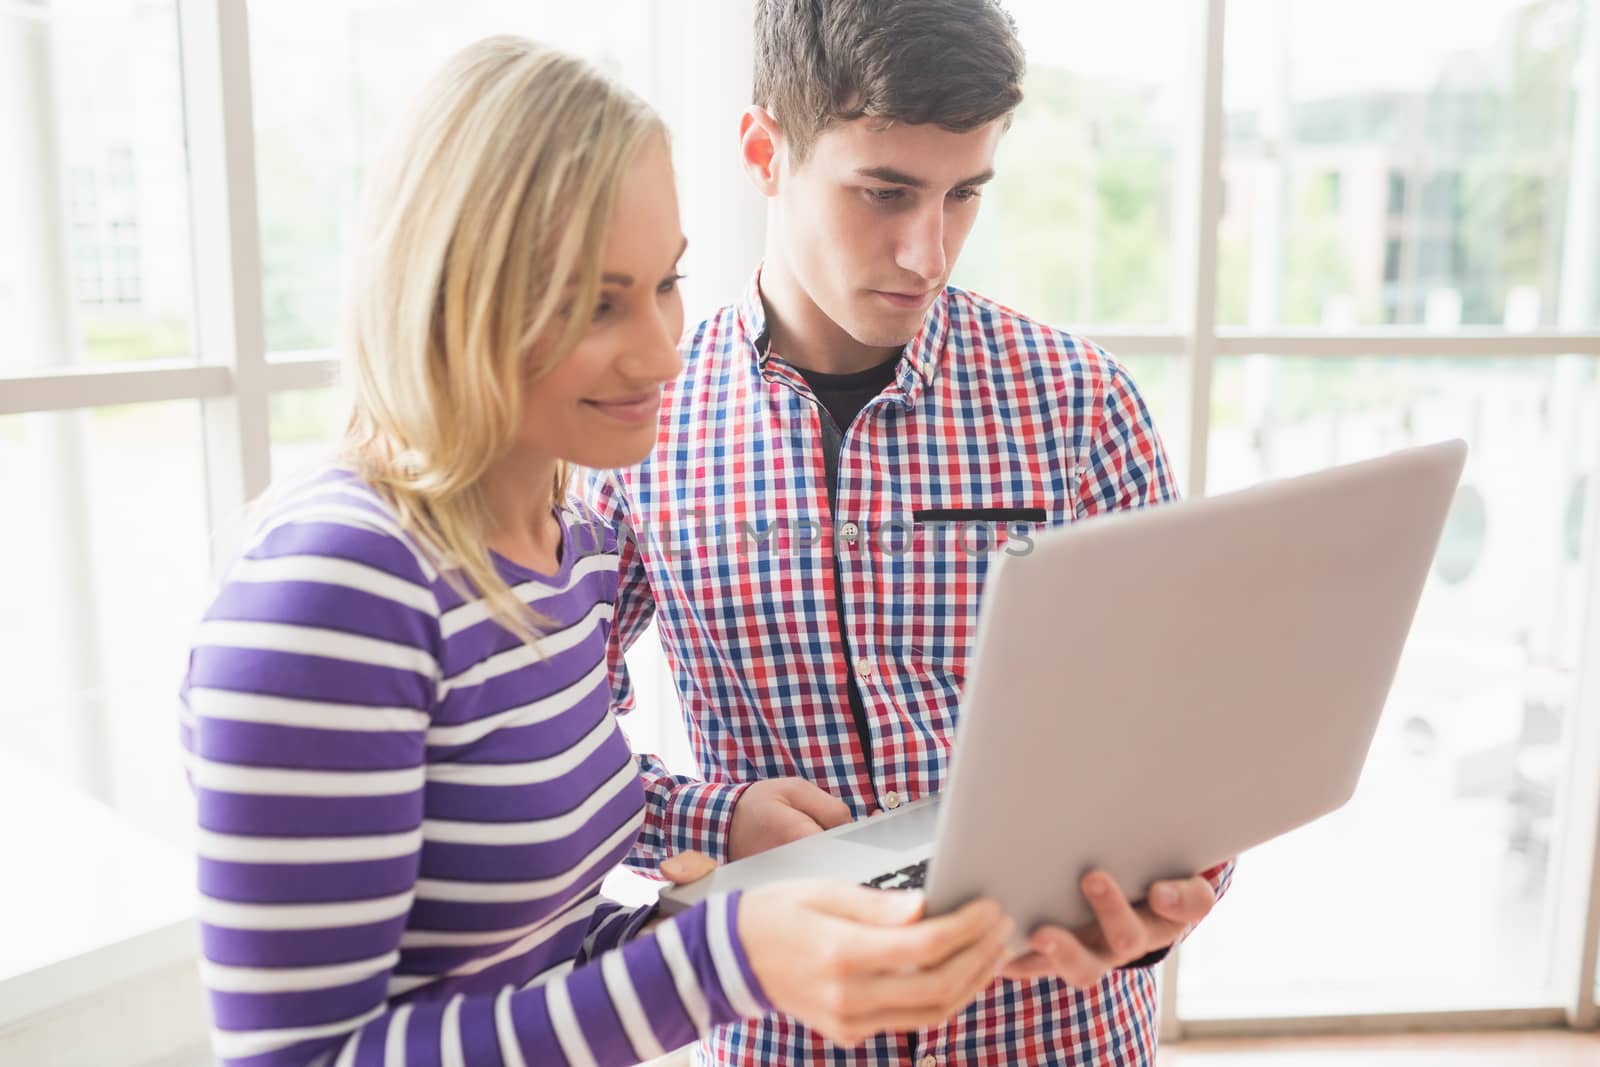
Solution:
(1314, 230)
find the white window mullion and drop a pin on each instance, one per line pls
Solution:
(229, 327)
(702, 59)
(1200, 242)
(1203, 174)
(1577, 882)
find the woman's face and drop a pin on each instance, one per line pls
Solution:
(598, 407)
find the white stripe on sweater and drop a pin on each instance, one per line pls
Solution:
(237, 1044)
(670, 942)
(456, 832)
(271, 781)
(527, 772)
(208, 703)
(625, 999)
(564, 1021)
(729, 973)
(341, 573)
(541, 710)
(394, 1042)
(523, 655)
(505, 1029)
(531, 593)
(238, 848)
(302, 916)
(223, 978)
(450, 1051)
(315, 641)
(514, 892)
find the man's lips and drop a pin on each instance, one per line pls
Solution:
(904, 300)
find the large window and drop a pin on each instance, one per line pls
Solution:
(94, 220)
(1401, 163)
(1311, 231)
(336, 76)
(1332, 230)
(1465, 781)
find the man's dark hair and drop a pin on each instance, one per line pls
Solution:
(956, 63)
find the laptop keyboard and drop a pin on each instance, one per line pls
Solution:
(910, 877)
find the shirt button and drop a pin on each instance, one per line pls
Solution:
(850, 531)
(864, 667)
(928, 1061)
(891, 801)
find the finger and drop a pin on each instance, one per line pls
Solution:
(1028, 966)
(1070, 959)
(1121, 930)
(941, 991)
(686, 867)
(1184, 902)
(873, 907)
(790, 824)
(825, 809)
(924, 945)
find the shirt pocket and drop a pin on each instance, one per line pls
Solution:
(941, 574)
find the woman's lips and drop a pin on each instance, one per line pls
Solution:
(632, 410)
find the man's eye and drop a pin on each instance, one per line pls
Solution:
(669, 284)
(884, 196)
(965, 195)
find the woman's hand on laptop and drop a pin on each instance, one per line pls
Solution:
(851, 962)
(1125, 932)
(779, 810)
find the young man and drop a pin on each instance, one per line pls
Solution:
(843, 453)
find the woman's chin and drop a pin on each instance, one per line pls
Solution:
(613, 450)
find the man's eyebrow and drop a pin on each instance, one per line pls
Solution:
(896, 177)
(626, 280)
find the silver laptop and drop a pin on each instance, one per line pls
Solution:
(1153, 692)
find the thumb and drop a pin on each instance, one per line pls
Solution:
(825, 809)
(875, 907)
(688, 867)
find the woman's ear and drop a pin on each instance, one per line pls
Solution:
(760, 147)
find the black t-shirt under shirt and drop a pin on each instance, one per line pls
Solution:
(844, 395)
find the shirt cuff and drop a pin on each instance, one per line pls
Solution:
(700, 818)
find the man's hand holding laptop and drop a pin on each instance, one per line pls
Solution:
(1124, 933)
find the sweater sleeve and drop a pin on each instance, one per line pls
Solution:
(612, 925)
(305, 714)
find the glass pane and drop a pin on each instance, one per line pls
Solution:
(306, 425)
(1077, 226)
(1406, 162)
(113, 529)
(94, 227)
(330, 76)
(1432, 888)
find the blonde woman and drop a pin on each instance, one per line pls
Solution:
(409, 783)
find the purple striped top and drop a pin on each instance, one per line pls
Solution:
(405, 813)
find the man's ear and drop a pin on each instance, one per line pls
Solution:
(760, 148)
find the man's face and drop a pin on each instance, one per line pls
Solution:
(874, 220)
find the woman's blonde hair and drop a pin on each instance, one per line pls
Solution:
(493, 198)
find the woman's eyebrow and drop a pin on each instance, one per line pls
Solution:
(626, 280)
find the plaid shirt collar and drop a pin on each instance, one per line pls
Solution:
(919, 360)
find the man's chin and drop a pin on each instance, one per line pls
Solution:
(876, 332)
